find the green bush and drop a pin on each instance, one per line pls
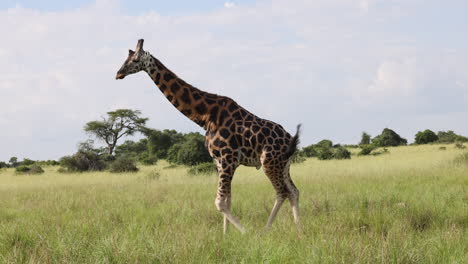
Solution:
(136, 150)
(36, 169)
(52, 163)
(309, 151)
(442, 148)
(459, 145)
(381, 151)
(372, 150)
(123, 164)
(388, 138)
(203, 168)
(106, 157)
(341, 152)
(160, 142)
(48, 163)
(298, 157)
(325, 143)
(366, 149)
(22, 169)
(324, 153)
(29, 169)
(27, 162)
(425, 137)
(191, 151)
(83, 161)
(131, 148)
(147, 159)
(450, 137)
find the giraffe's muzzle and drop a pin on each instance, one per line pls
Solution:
(119, 76)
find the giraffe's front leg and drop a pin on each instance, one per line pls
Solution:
(226, 220)
(223, 197)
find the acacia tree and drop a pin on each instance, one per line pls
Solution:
(119, 123)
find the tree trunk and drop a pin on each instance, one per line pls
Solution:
(111, 148)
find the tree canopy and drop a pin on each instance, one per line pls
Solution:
(450, 137)
(388, 138)
(426, 136)
(119, 123)
(365, 139)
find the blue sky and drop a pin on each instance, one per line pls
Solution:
(339, 67)
(127, 6)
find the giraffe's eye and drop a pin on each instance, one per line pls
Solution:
(136, 60)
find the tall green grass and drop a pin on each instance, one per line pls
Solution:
(408, 206)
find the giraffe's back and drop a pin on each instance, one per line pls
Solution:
(249, 139)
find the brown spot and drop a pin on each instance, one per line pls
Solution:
(196, 96)
(157, 79)
(168, 76)
(214, 114)
(187, 112)
(224, 133)
(185, 96)
(175, 87)
(210, 101)
(201, 108)
(222, 116)
(233, 106)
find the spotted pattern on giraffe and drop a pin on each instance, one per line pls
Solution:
(234, 136)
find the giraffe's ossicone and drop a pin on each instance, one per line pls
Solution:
(234, 136)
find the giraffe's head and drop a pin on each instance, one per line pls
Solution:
(134, 62)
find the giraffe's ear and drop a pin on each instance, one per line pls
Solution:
(130, 52)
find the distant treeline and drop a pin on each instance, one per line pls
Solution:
(189, 148)
(325, 149)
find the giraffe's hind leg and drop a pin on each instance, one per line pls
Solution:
(278, 203)
(285, 188)
(293, 198)
(276, 176)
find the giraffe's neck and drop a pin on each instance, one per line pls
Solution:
(201, 107)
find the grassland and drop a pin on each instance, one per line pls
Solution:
(408, 206)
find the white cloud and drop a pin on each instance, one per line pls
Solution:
(398, 78)
(364, 4)
(321, 63)
(229, 4)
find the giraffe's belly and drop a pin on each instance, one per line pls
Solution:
(250, 161)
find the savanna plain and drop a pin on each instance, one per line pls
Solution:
(409, 205)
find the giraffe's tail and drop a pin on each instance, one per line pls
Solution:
(293, 143)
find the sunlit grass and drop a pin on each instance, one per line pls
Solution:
(408, 206)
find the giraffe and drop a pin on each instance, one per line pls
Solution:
(234, 136)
